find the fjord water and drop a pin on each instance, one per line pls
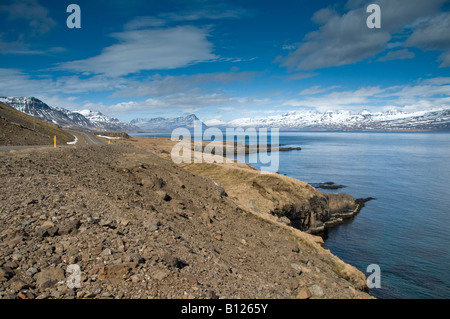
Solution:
(405, 230)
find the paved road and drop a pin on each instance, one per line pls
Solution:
(83, 139)
(89, 138)
(22, 147)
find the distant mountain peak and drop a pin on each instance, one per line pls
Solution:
(86, 112)
(167, 124)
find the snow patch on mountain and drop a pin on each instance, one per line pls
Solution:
(85, 119)
(438, 119)
(167, 124)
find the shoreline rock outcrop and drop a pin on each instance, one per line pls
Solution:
(322, 212)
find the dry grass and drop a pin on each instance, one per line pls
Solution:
(252, 191)
(37, 131)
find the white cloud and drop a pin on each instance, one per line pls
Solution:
(214, 122)
(301, 76)
(30, 11)
(433, 34)
(337, 100)
(289, 46)
(397, 55)
(342, 40)
(191, 99)
(445, 59)
(159, 85)
(324, 15)
(317, 89)
(144, 22)
(437, 81)
(26, 20)
(226, 108)
(155, 49)
(15, 82)
(195, 12)
(425, 95)
(213, 12)
(345, 39)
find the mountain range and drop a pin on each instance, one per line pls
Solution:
(85, 119)
(167, 124)
(435, 120)
(394, 120)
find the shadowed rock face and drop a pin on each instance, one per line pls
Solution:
(322, 211)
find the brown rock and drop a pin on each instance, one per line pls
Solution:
(70, 227)
(16, 240)
(5, 273)
(153, 182)
(11, 264)
(191, 279)
(48, 231)
(152, 224)
(160, 275)
(317, 291)
(115, 271)
(47, 224)
(49, 277)
(164, 196)
(297, 268)
(25, 295)
(304, 293)
(18, 285)
(135, 257)
(170, 260)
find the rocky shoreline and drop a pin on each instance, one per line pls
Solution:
(238, 148)
(327, 185)
(337, 218)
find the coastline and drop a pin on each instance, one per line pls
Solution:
(254, 194)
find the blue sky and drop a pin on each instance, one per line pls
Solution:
(224, 60)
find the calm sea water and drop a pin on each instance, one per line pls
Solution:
(406, 230)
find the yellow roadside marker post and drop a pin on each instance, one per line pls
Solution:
(54, 141)
(109, 141)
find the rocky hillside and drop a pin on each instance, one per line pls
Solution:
(17, 128)
(270, 196)
(139, 226)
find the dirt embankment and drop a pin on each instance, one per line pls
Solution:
(140, 226)
(17, 128)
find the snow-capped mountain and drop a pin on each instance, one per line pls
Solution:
(346, 121)
(107, 123)
(94, 121)
(167, 124)
(37, 108)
